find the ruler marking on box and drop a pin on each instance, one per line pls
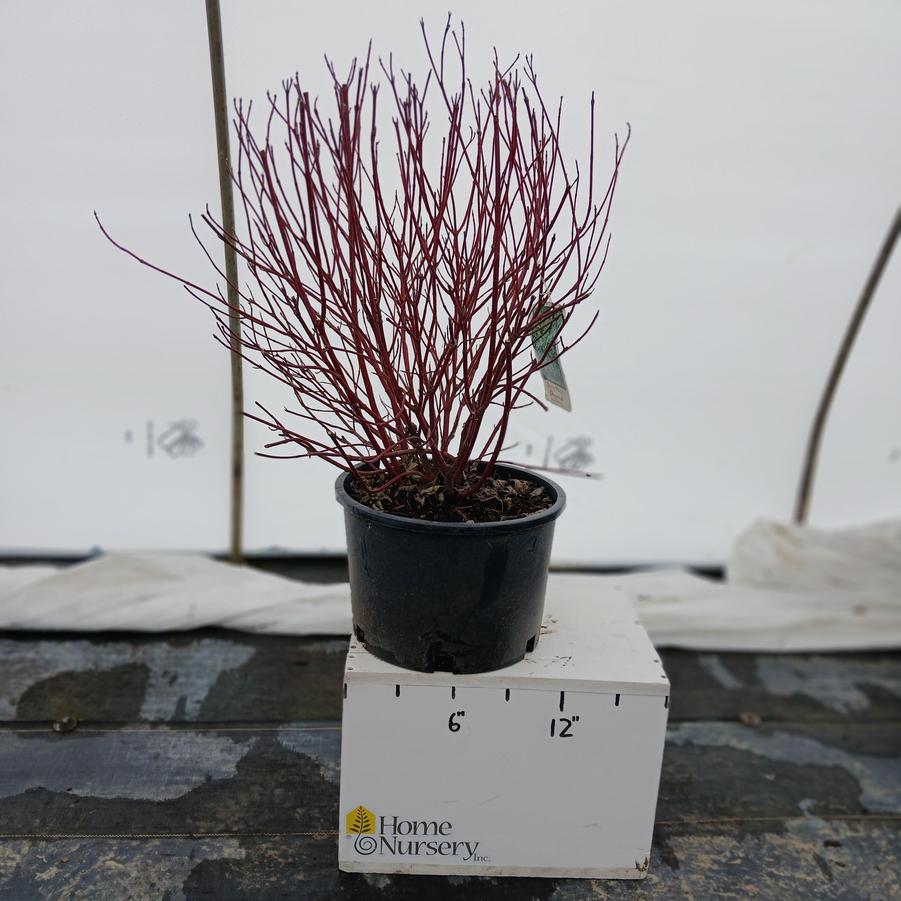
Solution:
(558, 726)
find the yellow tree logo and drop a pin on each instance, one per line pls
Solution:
(360, 821)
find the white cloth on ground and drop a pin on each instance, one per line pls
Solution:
(789, 588)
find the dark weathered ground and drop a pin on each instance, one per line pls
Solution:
(205, 765)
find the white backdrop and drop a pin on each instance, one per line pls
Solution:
(761, 176)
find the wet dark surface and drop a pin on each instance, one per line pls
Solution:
(205, 765)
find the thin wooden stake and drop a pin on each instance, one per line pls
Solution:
(220, 107)
(805, 487)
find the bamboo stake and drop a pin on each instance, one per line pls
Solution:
(805, 487)
(220, 107)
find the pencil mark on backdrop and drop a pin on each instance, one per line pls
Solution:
(177, 438)
(571, 454)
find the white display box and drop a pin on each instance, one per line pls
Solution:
(550, 767)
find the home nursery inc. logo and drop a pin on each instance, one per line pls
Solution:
(393, 835)
(360, 821)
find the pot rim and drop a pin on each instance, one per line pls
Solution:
(409, 524)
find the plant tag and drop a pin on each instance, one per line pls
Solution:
(544, 336)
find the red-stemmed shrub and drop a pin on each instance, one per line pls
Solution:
(395, 284)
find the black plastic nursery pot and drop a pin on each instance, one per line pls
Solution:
(453, 597)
